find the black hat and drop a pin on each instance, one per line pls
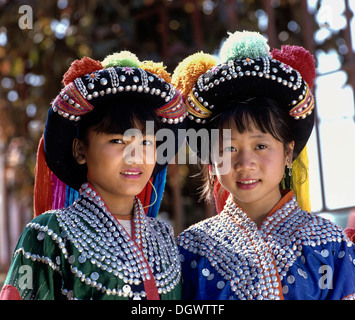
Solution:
(249, 69)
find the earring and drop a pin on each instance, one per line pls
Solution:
(156, 195)
(289, 167)
(213, 179)
(212, 173)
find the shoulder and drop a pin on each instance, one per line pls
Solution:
(41, 237)
(45, 226)
(315, 230)
(160, 226)
(47, 223)
(48, 218)
(203, 233)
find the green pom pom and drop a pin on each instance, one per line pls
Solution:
(121, 59)
(242, 45)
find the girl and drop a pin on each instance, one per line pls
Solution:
(108, 244)
(263, 244)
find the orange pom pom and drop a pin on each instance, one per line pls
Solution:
(190, 69)
(43, 183)
(81, 67)
(156, 68)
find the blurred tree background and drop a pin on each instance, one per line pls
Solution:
(33, 60)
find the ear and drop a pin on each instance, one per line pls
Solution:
(289, 152)
(79, 151)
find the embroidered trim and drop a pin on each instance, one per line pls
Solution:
(173, 111)
(38, 258)
(71, 104)
(198, 103)
(350, 297)
(303, 108)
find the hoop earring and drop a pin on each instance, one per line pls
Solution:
(156, 195)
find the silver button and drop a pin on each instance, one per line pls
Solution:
(126, 289)
(205, 272)
(220, 284)
(94, 276)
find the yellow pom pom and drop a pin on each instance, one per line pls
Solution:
(300, 176)
(156, 68)
(190, 69)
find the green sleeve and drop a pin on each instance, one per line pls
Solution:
(35, 268)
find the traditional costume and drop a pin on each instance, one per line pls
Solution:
(78, 249)
(293, 254)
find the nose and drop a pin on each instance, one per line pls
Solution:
(132, 154)
(245, 161)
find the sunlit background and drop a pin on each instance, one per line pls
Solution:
(332, 145)
(33, 60)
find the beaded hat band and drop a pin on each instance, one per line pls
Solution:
(273, 77)
(73, 100)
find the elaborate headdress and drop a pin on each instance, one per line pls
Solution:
(120, 78)
(247, 68)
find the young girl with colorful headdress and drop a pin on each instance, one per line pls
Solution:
(103, 242)
(264, 243)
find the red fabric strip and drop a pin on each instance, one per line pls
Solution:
(9, 292)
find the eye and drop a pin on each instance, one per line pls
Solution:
(229, 149)
(147, 142)
(117, 141)
(261, 147)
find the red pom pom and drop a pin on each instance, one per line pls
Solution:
(81, 67)
(298, 58)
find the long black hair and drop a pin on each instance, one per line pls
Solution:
(109, 118)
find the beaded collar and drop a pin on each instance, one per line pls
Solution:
(255, 261)
(102, 241)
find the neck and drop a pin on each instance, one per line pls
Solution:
(124, 212)
(258, 210)
(120, 207)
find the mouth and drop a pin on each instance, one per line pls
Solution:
(247, 184)
(131, 174)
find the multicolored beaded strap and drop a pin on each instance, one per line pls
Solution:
(173, 111)
(71, 104)
(303, 108)
(196, 109)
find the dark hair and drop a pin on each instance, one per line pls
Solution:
(110, 118)
(265, 114)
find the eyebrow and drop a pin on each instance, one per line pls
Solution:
(253, 136)
(121, 134)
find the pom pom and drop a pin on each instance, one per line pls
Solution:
(298, 58)
(81, 67)
(190, 69)
(121, 59)
(242, 45)
(42, 196)
(156, 68)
